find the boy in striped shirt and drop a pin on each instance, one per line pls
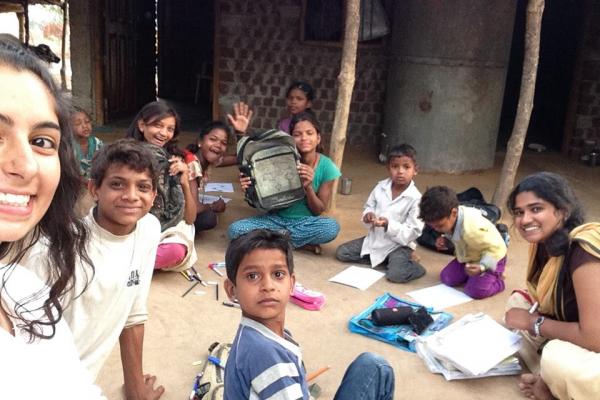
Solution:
(265, 362)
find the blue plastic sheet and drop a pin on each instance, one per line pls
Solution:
(401, 336)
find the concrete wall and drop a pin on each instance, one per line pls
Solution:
(446, 80)
(81, 55)
(587, 117)
(261, 55)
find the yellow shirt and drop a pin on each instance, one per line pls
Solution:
(476, 239)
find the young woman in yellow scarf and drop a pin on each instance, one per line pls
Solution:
(558, 313)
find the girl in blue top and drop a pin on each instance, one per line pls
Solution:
(85, 144)
(307, 229)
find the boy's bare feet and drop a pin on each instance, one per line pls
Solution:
(313, 248)
(534, 387)
(415, 257)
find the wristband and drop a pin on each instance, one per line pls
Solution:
(537, 325)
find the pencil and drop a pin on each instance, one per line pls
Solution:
(190, 289)
(217, 291)
(215, 270)
(316, 373)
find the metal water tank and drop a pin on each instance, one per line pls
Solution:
(446, 80)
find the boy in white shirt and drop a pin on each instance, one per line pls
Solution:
(108, 303)
(392, 216)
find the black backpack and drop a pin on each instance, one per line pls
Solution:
(473, 198)
(270, 159)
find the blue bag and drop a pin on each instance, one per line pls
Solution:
(402, 336)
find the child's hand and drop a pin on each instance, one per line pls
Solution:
(381, 222)
(306, 174)
(245, 182)
(369, 218)
(218, 206)
(441, 243)
(474, 269)
(178, 166)
(242, 114)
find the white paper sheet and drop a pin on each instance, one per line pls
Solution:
(439, 296)
(223, 187)
(358, 277)
(209, 199)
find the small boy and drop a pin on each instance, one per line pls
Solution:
(108, 302)
(264, 361)
(392, 216)
(479, 248)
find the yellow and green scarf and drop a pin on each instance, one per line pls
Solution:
(546, 291)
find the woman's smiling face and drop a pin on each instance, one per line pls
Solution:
(29, 163)
(535, 218)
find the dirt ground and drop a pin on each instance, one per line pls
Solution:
(180, 329)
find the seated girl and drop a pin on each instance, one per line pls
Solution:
(563, 278)
(307, 229)
(210, 151)
(175, 207)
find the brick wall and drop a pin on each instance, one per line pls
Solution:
(261, 55)
(587, 122)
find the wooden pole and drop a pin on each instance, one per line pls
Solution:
(63, 49)
(345, 86)
(514, 150)
(26, 14)
(21, 18)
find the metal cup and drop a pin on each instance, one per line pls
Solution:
(346, 187)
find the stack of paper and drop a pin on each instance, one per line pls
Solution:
(473, 347)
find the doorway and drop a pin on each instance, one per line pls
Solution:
(561, 32)
(185, 42)
(158, 49)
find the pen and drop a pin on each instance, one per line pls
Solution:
(534, 307)
(230, 304)
(215, 270)
(215, 361)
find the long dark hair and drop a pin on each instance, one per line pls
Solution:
(555, 190)
(150, 113)
(66, 235)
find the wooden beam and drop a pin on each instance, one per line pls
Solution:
(26, 15)
(346, 80)
(63, 47)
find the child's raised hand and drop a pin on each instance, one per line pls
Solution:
(369, 218)
(306, 174)
(245, 182)
(474, 269)
(242, 114)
